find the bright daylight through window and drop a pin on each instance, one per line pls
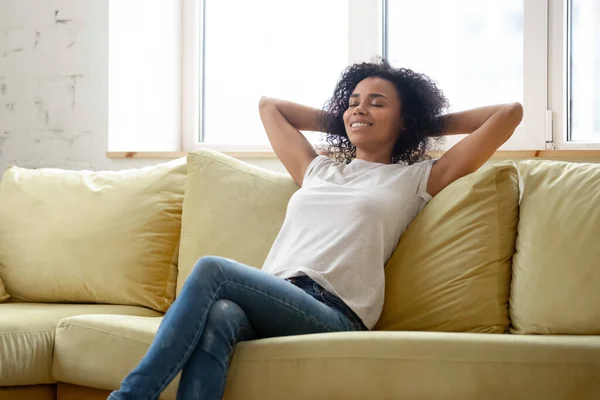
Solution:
(473, 49)
(479, 52)
(584, 65)
(293, 50)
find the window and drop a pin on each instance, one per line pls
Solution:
(583, 58)
(289, 49)
(543, 53)
(479, 53)
(473, 49)
(476, 52)
(236, 51)
(144, 75)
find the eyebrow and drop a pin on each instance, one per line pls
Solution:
(372, 95)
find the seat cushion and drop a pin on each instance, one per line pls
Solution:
(100, 350)
(92, 237)
(451, 268)
(3, 295)
(231, 209)
(416, 365)
(556, 266)
(27, 337)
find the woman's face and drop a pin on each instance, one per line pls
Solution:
(373, 117)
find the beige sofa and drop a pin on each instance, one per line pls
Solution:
(492, 292)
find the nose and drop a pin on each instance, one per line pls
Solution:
(358, 110)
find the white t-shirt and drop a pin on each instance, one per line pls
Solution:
(343, 224)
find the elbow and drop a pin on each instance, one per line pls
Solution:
(515, 113)
(264, 101)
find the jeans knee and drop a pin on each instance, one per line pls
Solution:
(226, 324)
(206, 267)
(226, 311)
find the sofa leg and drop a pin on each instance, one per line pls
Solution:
(32, 392)
(66, 391)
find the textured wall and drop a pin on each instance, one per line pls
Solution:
(54, 85)
(47, 81)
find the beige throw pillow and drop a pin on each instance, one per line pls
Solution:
(97, 237)
(231, 209)
(451, 269)
(556, 271)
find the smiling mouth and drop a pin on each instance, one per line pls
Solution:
(360, 125)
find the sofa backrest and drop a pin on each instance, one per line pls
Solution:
(452, 267)
(231, 209)
(556, 267)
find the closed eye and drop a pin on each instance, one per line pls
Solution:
(373, 105)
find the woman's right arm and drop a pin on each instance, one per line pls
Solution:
(283, 121)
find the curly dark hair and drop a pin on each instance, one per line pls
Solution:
(422, 104)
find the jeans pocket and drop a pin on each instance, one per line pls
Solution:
(333, 301)
(302, 283)
(329, 299)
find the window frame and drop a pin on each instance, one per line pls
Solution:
(367, 14)
(560, 77)
(192, 47)
(544, 74)
(535, 130)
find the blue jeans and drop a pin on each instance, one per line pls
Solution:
(224, 302)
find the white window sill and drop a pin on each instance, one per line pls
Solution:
(178, 154)
(563, 155)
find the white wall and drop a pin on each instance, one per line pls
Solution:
(54, 86)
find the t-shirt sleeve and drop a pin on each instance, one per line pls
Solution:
(425, 171)
(315, 166)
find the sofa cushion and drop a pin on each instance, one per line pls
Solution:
(415, 365)
(100, 350)
(27, 337)
(92, 237)
(451, 268)
(231, 209)
(3, 295)
(556, 268)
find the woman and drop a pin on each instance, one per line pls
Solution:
(324, 272)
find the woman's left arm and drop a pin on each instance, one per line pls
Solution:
(488, 128)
